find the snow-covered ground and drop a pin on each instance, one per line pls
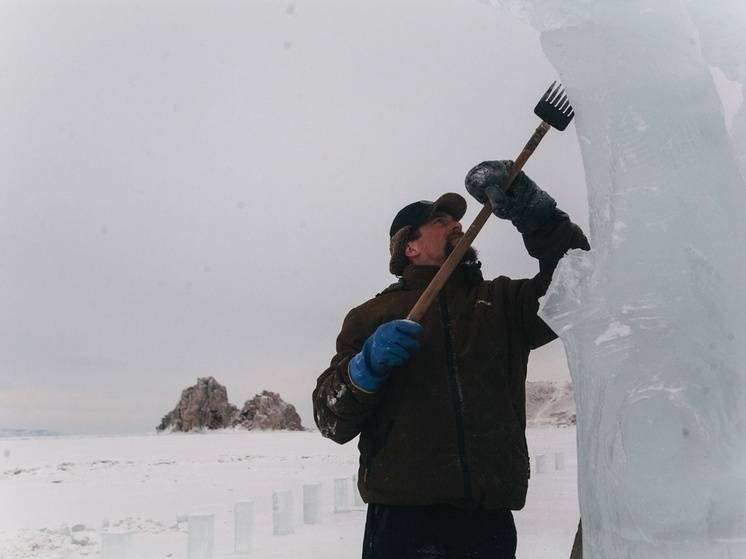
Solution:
(57, 494)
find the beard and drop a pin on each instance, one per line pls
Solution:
(470, 256)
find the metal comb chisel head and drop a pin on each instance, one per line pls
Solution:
(554, 108)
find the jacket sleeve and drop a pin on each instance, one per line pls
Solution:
(339, 407)
(548, 244)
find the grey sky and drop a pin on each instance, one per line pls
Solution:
(205, 188)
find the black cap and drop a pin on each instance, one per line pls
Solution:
(417, 213)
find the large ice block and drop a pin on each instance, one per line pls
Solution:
(653, 319)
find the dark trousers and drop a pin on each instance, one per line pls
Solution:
(438, 532)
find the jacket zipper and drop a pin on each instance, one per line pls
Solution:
(456, 395)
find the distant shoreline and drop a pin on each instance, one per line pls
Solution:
(13, 433)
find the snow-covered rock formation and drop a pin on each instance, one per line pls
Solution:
(205, 406)
(549, 403)
(202, 406)
(268, 411)
(654, 318)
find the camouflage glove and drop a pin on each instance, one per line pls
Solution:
(526, 205)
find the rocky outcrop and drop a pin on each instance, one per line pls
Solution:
(205, 406)
(268, 411)
(550, 403)
(202, 406)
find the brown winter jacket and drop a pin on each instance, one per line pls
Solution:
(449, 426)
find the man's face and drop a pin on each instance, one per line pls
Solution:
(437, 239)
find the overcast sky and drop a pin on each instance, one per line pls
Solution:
(205, 188)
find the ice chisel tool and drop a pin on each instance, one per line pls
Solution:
(555, 111)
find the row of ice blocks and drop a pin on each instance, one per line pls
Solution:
(201, 527)
(542, 462)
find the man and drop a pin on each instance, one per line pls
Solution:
(440, 405)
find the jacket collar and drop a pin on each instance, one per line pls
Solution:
(415, 276)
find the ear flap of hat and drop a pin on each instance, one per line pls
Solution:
(397, 248)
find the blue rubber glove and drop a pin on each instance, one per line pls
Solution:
(526, 205)
(388, 347)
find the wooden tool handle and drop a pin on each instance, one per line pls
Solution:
(446, 269)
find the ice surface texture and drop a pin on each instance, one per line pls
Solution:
(653, 319)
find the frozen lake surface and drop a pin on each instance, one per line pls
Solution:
(59, 493)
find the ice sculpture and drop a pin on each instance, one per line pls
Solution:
(653, 319)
